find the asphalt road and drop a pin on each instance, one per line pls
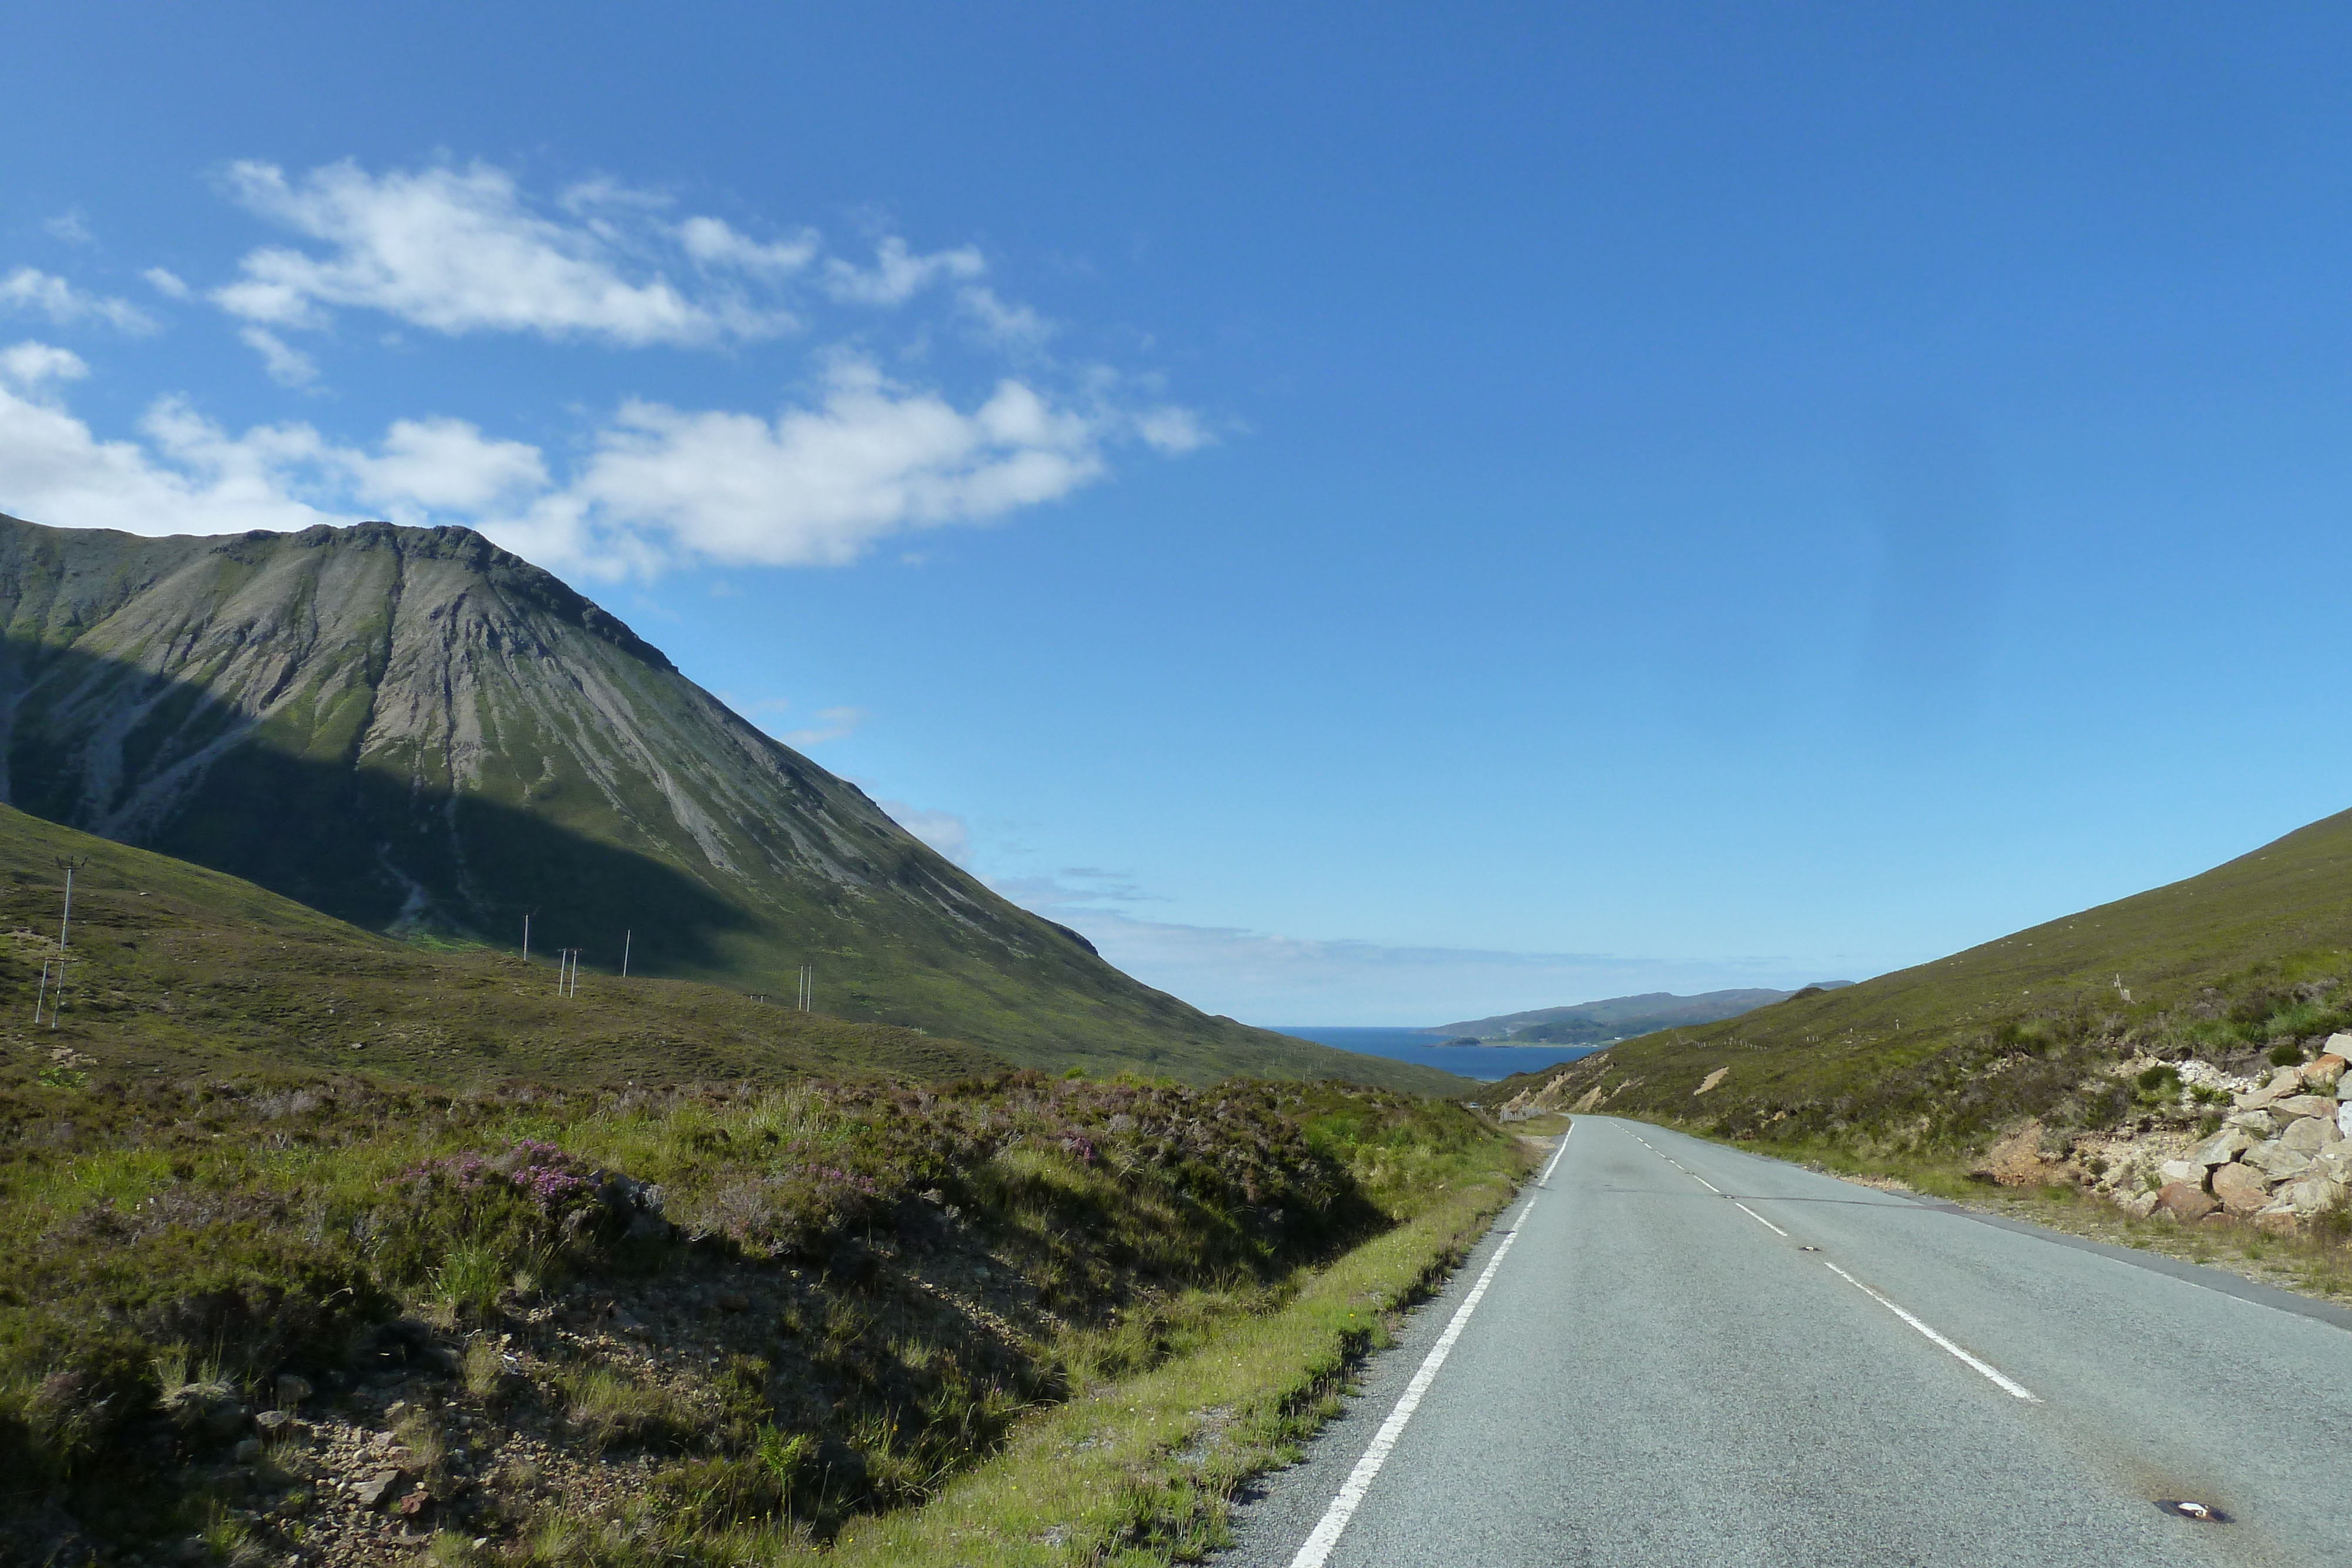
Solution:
(1687, 1355)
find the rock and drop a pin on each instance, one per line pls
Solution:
(226, 1421)
(272, 1422)
(415, 1503)
(2278, 1220)
(292, 1390)
(2183, 1202)
(2241, 1190)
(2324, 1073)
(372, 1492)
(2338, 1045)
(247, 1450)
(2300, 1105)
(2276, 1161)
(2222, 1147)
(2261, 1124)
(2016, 1160)
(2137, 1205)
(2344, 1118)
(2312, 1194)
(2190, 1173)
(2309, 1134)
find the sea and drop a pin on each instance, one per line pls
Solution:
(1484, 1063)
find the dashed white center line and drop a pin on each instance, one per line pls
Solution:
(1758, 1218)
(1545, 1181)
(2006, 1385)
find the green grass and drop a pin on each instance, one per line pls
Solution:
(918, 1277)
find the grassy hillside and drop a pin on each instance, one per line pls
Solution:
(2242, 961)
(416, 732)
(177, 970)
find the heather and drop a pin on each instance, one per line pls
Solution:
(734, 1308)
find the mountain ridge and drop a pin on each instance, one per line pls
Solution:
(415, 730)
(1615, 1018)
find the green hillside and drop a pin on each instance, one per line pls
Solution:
(185, 972)
(420, 734)
(2230, 966)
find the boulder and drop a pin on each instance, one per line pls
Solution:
(2301, 1105)
(2183, 1202)
(2309, 1134)
(2343, 1119)
(374, 1491)
(292, 1389)
(2138, 1205)
(2338, 1045)
(2241, 1190)
(2222, 1147)
(2325, 1074)
(2312, 1194)
(2188, 1172)
(2259, 1123)
(2278, 1162)
(2015, 1161)
(2278, 1220)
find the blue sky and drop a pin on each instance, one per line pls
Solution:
(1377, 515)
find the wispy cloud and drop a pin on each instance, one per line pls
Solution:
(943, 831)
(28, 367)
(1273, 980)
(167, 283)
(898, 274)
(45, 294)
(831, 723)
(70, 226)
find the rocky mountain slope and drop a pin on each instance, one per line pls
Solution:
(416, 732)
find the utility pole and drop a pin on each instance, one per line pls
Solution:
(64, 926)
(624, 953)
(808, 987)
(526, 939)
(41, 994)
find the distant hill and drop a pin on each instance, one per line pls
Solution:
(417, 733)
(2253, 956)
(1617, 1018)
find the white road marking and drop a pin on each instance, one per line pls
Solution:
(1545, 1180)
(1701, 1180)
(1359, 1480)
(1758, 1218)
(2006, 1385)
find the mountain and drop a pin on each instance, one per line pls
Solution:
(1616, 1017)
(418, 733)
(2250, 958)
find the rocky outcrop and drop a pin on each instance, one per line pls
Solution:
(2282, 1156)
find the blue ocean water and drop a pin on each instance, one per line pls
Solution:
(1484, 1062)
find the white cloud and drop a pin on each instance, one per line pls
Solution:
(48, 294)
(1172, 429)
(166, 283)
(289, 367)
(458, 251)
(70, 227)
(660, 487)
(833, 724)
(943, 831)
(448, 466)
(26, 366)
(818, 486)
(1011, 326)
(713, 243)
(897, 273)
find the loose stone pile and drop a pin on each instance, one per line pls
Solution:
(2282, 1154)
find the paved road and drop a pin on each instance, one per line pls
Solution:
(1687, 1355)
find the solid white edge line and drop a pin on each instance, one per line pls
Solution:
(1343, 1507)
(1545, 1181)
(1758, 1218)
(2006, 1385)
